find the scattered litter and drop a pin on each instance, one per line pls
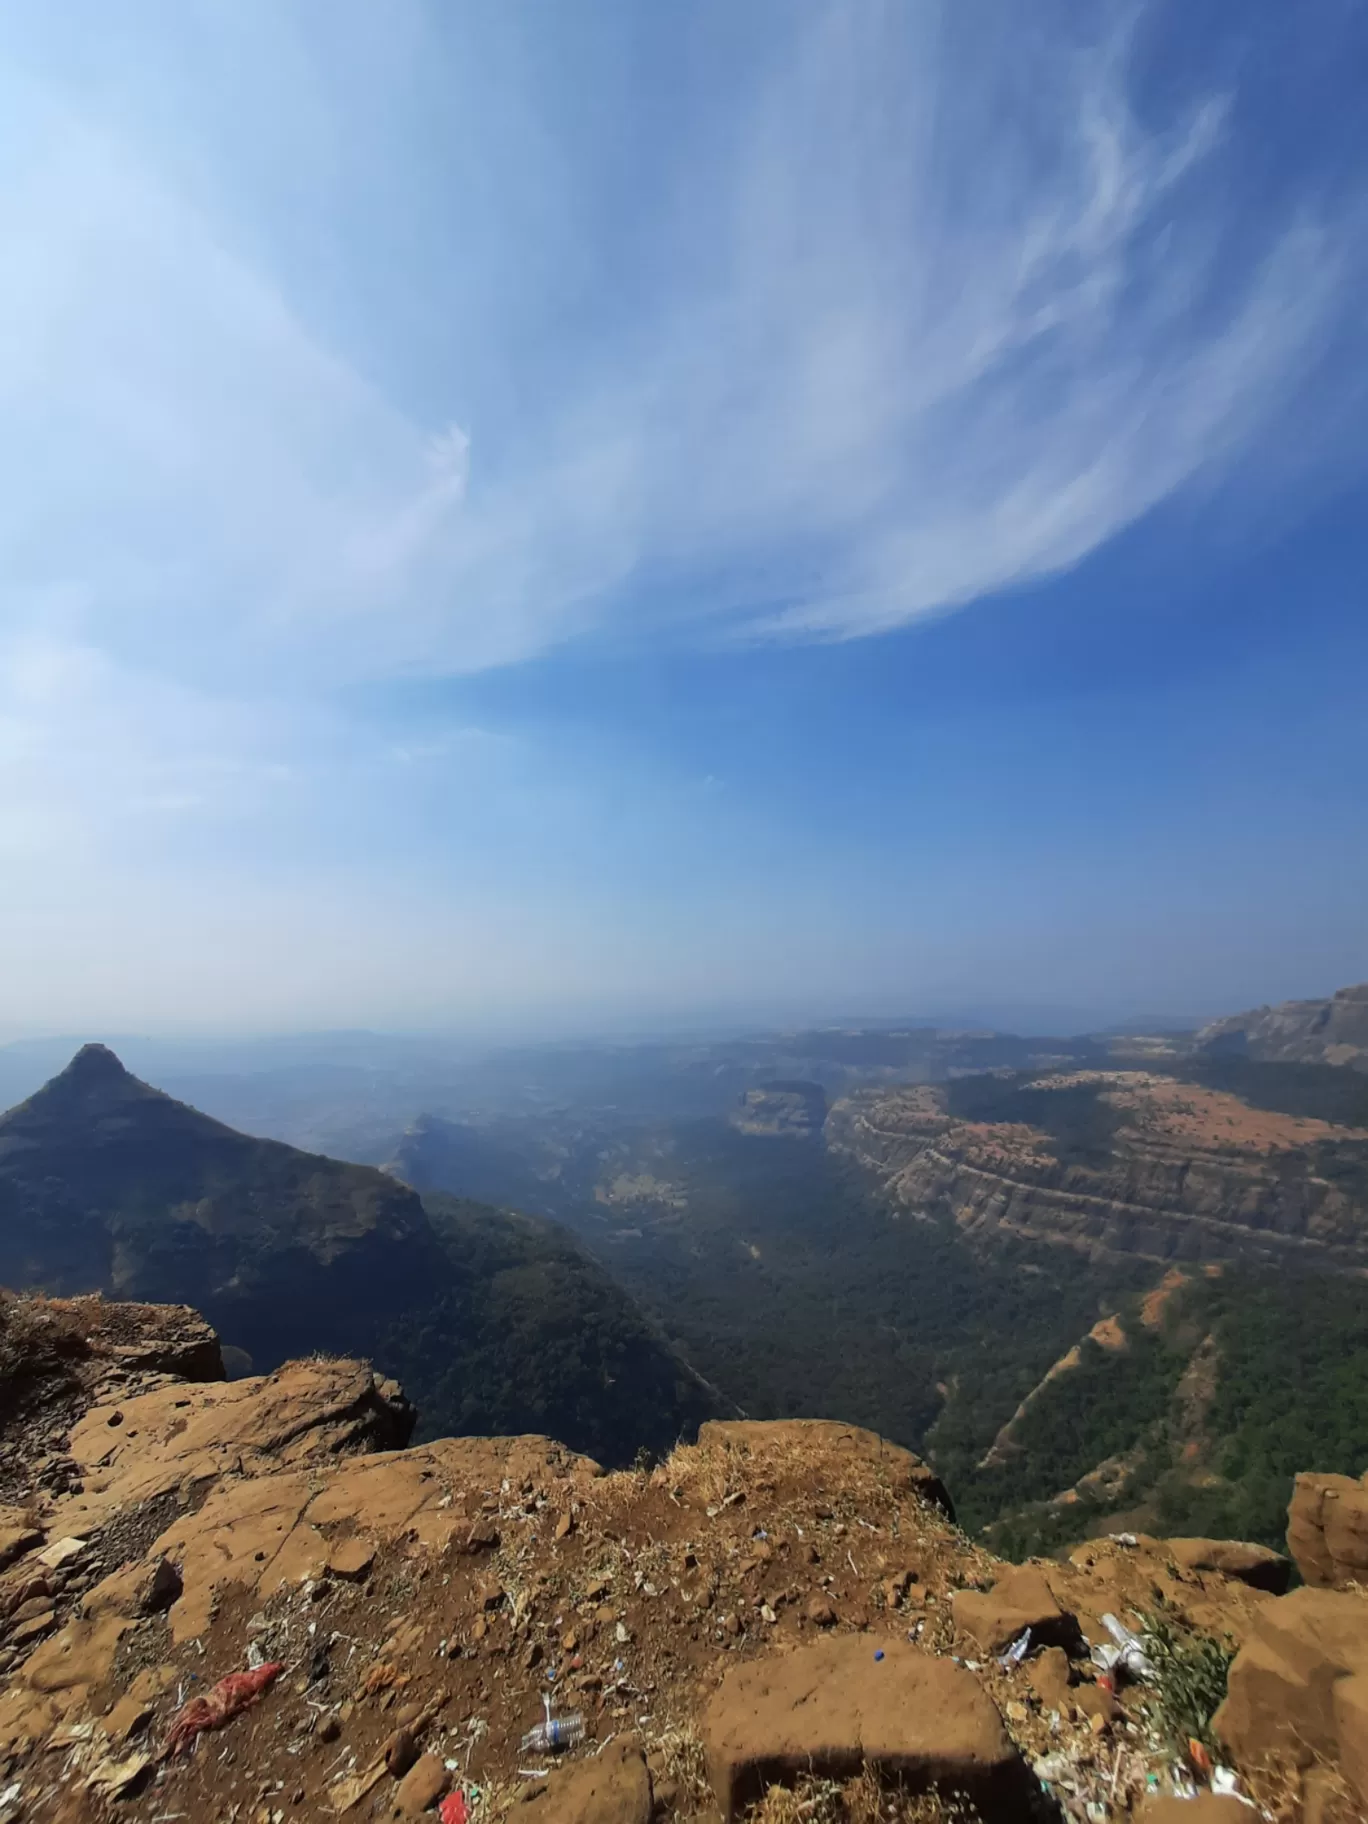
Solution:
(1128, 1539)
(111, 1778)
(212, 1709)
(1052, 1769)
(1018, 1650)
(1225, 1781)
(1128, 1655)
(69, 1734)
(61, 1552)
(453, 1809)
(878, 1653)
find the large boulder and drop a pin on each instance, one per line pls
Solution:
(1298, 1688)
(1020, 1599)
(1327, 1530)
(840, 1704)
(1255, 1565)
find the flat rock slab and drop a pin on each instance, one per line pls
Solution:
(831, 1708)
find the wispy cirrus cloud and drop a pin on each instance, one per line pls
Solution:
(340, 346)
(931, 312)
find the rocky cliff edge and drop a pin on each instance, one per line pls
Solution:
(782, 1616)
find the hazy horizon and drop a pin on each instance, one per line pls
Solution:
(544, 521)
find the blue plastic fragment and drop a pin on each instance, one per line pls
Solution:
(879, 1654)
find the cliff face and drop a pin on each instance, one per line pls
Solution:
(1332, 1031)
(785, 1602)
(1170, 1171)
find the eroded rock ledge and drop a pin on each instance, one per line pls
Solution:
(773, 1602)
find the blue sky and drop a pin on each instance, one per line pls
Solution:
(558, 514)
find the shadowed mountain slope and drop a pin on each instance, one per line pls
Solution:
(108, 1185)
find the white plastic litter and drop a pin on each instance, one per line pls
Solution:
(1018, 1650)
(1128, 1655)
(1225, 1780)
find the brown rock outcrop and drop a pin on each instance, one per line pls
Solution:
(836, 1707)
(827, 1442)
(1298, 1688)
(1256, 1565)
(613, 1788)
(60, 1353)
(267, 1531)
(425, 1600)
(133, 1450)
(1020, 1599)
(1327, 1530)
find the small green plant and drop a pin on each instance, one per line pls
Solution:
(1189, 1684)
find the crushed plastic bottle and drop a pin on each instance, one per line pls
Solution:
(554, 1734)
(1018, 1650)
(1128, 1655)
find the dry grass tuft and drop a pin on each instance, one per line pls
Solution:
(859, 1801)
(680, 1754)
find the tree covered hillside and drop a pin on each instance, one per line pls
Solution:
(494, 1322)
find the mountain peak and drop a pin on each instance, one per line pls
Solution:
(92, 1082)
(97, 1072)
(95, 1064)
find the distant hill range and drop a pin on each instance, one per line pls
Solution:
(1332, 1031)
(1210, 1159)
(1214, 1196)
(498, 1323)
